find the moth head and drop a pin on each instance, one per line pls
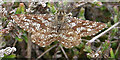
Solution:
(61, 12)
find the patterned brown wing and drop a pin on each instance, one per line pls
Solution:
(73, 29)
(69, 39)
(39, 25)
(67, 36)
(85, 27)
(45, 29)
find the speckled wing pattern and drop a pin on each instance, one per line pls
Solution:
(39, 26)
(44, 29)
(85, 27)
(74, 29)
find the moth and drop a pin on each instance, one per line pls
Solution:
(47, 28)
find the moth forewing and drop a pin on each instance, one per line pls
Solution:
(47, 28)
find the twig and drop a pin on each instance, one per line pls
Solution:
(46, 51)
(54, 56)
(114, 41)
(118, 27)
(98, 49)
(15, 43)
(64, 52)
(93, 39)
(29, 46)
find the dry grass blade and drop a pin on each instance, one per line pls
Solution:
(93, 39)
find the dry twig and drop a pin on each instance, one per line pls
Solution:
(14, 43)
(64, 52)
(57, 48)
(93, 39)
(46, 51)
(29, 46)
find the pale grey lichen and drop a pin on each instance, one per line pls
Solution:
(7, 51)
(43, 4)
